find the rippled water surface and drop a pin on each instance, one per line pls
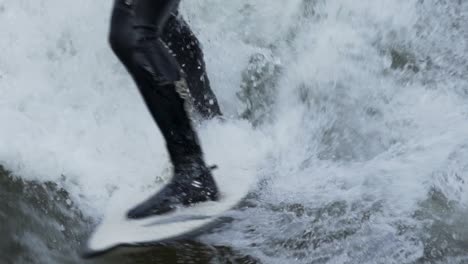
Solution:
(352, 116)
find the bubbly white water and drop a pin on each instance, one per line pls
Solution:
(368, 120)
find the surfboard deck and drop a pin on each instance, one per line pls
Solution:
(117, 231)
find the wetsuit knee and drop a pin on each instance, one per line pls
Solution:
(118, 45)
(121, 37)
(136, 39)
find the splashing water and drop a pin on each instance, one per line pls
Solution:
(352, 114)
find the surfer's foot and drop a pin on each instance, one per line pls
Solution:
(190, 185)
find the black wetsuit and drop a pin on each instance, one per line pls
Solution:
(152, 42)
(181, 40)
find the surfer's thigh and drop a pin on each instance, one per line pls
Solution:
(132, 20)
(154, 13)
(130, 15)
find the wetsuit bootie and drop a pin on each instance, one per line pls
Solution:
(191, 184)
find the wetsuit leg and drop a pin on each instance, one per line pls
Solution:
(183, 42)
(135, 37)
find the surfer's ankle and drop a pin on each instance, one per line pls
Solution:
(195, 183)
(189, 186)
(193, 173)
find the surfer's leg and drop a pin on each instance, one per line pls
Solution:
(181, 40)
(136, 27)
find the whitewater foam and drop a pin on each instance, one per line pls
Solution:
(368, 120)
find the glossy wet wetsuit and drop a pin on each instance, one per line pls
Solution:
(181, 40)
(138, 30)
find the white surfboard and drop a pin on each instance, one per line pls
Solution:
(116, 230)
